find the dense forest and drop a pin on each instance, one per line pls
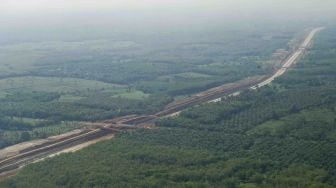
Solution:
(282, 135)
(48, 88)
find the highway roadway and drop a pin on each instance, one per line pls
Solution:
(291, 60)
(13, 163)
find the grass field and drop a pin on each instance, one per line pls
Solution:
(53, 84)
(68, 87)
(30, 121)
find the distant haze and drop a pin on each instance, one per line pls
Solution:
(55, 19)
(73, 5)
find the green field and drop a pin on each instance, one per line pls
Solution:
(65, 86)
(50, 84)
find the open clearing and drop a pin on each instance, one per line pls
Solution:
(54, 84)
(66, 85)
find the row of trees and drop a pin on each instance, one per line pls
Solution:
(93, 107)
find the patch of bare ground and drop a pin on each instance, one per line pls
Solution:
(81, 146)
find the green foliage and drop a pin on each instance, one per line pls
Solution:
(14, 130)
(101, 79)
(94, 106)
(278, 136)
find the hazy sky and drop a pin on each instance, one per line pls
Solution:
(84, 5)
(170, 8)
(37, 17)
(73, 5)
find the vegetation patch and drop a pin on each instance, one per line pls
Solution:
(54, 84)
(263, 138)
